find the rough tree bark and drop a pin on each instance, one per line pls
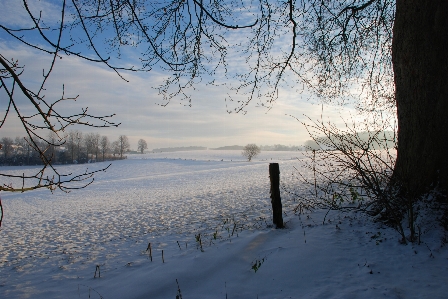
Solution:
(420, 63)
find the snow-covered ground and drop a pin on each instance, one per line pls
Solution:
(52, 244)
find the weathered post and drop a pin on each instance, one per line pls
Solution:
(274, 175)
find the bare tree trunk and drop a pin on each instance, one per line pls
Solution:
(420, 62)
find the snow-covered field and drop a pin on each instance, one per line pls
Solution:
(52, 244)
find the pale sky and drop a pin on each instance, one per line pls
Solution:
(135, 104)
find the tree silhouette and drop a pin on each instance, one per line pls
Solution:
(142, 145)
(123, 145)
(250, 151)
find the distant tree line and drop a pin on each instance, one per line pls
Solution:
(179, 149)
(75, 147)
(280, 147)
(275, 147)
(374, 140)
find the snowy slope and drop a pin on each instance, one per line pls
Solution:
(51, 244)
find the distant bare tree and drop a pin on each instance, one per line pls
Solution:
(19, 142)
(104, 146)
(79, 143)
(115, 147)
(142, 145)
(250, 151)
(96, 144)
(50, 151)
(91, 141)
(123, 144)
(24, 148)
(70, 142)
(6, 143)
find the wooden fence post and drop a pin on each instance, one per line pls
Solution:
(274, 175)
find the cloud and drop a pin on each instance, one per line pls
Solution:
(15, 15)
(206, 123)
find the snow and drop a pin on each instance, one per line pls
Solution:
(51, 244)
